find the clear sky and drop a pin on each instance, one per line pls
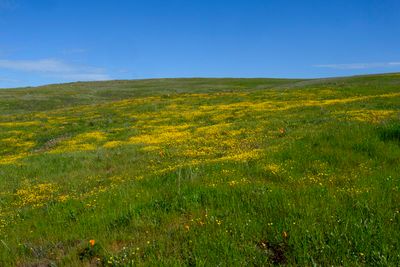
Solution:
(52, 41)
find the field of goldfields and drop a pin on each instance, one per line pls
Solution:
(201, 172)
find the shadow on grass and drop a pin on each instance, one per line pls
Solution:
(390, 131)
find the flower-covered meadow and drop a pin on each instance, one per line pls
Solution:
(201, 172)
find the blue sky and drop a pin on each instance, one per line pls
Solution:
(53, 41)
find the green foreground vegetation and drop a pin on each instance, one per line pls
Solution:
(201, 172)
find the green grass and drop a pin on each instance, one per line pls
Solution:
(201, 172)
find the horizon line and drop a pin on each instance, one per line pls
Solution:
(198, 77)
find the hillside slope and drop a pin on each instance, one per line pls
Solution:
(201, 172)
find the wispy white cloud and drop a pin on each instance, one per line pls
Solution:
(355, 66)
(56, 68)
(42, 65)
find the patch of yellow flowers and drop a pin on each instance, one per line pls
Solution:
(36, 195)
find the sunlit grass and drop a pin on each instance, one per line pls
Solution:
(202, 172)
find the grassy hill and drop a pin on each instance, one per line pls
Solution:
(201, 172)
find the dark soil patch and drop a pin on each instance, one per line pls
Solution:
(276, 252)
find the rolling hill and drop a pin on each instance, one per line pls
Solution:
(201, 172)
